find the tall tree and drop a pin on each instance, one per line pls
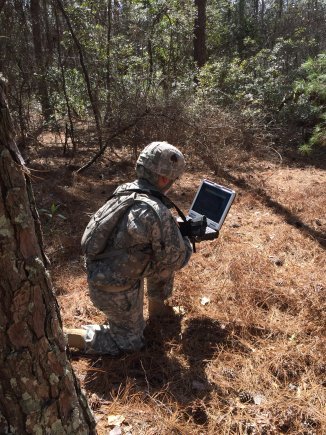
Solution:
(96, 111)
(241, 26)
(39, 392)
(108, 60)
(36, 20)
(200, 33)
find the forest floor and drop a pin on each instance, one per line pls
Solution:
(245, 353)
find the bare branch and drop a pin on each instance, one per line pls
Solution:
(96, 112)
(101, 151)
(2, 3)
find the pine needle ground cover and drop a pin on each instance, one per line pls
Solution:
(245, 352)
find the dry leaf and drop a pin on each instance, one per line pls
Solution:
(259, 399)
(116, 431)
(205, 300)
(179, 310)
(115, 420)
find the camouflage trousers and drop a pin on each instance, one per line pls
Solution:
(125, 321)
(125, 316)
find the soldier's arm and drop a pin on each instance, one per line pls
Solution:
(158, 229)
(177, 253)
(177, 249)
(170, 251)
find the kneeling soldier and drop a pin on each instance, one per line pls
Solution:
(132, 237)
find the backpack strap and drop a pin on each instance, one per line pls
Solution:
(143, 247)
(166, 201)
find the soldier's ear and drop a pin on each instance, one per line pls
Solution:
(163, 181)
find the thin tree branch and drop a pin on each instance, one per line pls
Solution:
(72, 132)
(2, 3)
(101, 151)
(7, 132)
(96, 113)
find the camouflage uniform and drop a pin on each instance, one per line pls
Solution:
(146, 243)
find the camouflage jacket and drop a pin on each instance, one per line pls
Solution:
(146, 242)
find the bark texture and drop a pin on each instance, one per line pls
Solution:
(200, 33)
(40, 63)
(39, 393)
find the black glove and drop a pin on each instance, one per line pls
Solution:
(193, 228)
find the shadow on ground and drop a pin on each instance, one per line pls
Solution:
(157, 369)
(278, 208)
(172, 368)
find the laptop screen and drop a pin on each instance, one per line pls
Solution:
(211, 202)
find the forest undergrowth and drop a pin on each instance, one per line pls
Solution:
(245, 351)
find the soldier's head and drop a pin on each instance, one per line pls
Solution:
(161, 164)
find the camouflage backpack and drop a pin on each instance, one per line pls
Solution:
(105, 220)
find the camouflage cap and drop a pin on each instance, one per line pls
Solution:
(163, 159)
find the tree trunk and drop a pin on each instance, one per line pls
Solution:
(39, 392)
(47, 109)
(280, 9)
(262, 14)
(256, 9)
(241, 26)
(108, 62)
(200, 33)
(92, 99)
(64, 88)
(2, 3)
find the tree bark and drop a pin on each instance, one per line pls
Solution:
(40, 64)
(64, 88)
(280, 9)
(200, 33)
(256, 9)
(108, 62)
(39, 392)
(241, 26)
(2, 3)
(96, 112)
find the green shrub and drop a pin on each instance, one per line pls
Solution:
(312, 90)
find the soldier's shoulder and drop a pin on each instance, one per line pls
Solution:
(149, 209)
(125, 187)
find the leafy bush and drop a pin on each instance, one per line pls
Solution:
(75, 89)
(260, 81)
(312, 91)
(266, 87)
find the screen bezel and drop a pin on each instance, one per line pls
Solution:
(214, 225)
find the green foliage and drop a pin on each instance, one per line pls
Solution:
(315, 83)
(139, 53)
(75, 90)
(261, 87)
(52, 212)
(259, 83)
(312, 90)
